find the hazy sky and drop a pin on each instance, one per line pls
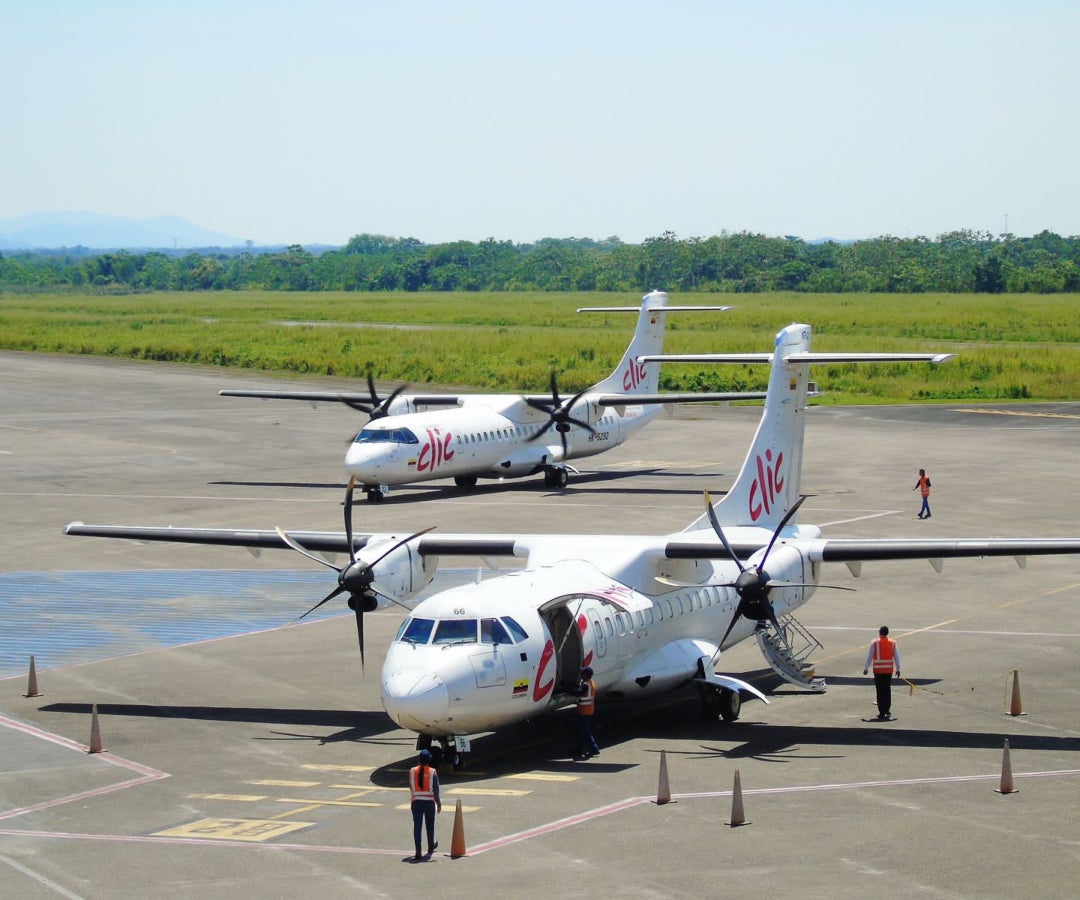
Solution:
(303, 122)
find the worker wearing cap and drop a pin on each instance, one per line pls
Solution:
(424, 788)
(586, 706)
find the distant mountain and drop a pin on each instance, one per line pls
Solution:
(73, 229)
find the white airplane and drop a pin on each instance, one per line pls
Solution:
(421, 437)
(647, 613)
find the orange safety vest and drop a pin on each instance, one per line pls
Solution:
(884, 653)
(416, 783)
(924, 485)
(586, 703)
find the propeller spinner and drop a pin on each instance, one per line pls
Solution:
(357, 579)
(377, 407)
(559, 416)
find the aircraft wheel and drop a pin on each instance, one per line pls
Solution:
(556, 478)
(710, 704)
(374, 495)
(465, 481)
(730, 704)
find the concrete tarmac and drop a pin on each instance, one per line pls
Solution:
(261, 764)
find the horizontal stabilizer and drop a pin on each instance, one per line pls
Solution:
(655, 309)
(797, 358)
(652, 399)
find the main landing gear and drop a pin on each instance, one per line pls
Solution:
(375, 494)
(556, 477)
(720, 703)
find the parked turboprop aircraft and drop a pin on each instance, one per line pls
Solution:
(421, 437)
(647, 613)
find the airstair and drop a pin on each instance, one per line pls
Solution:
(788, 653)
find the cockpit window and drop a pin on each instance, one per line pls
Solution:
(493, 632)
(519, 633)
(386, 436)
(416, 631)
(456, 631)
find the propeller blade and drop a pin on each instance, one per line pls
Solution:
(334, 593)
(400, 543)
(808, 584)
(731, 624)
(299, 548)
(794, 509)
(720, 532)
(360, 634)
(382, 593)
(348, 518)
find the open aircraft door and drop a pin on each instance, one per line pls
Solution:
(577, 631)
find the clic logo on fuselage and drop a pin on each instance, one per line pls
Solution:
(435, 451)
(767, 486)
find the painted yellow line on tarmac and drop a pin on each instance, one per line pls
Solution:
(464, 808)
(272, 782)
(242, 798)
(255, 830)
(543, 776)
(316, 803)
(326, 767)
(1019, 412)
(487, 792)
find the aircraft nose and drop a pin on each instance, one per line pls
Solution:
(416, 700)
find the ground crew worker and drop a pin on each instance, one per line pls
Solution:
(923, 486)
(586, 706)
(424, 788)
(884, 655)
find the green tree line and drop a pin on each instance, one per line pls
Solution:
(956, 262)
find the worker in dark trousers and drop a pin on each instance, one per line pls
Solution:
(883, 657)
(586, 706)
(424, 788)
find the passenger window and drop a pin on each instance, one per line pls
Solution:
(607, 626)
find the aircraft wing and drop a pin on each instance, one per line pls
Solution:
(652, 399)
(341, 397)
(857, 551)
(319, 541)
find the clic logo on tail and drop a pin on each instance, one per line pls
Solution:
(634, 375)
(767, 486)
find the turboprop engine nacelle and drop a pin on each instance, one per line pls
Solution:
(402, 572)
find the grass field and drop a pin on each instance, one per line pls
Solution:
(1010, 347)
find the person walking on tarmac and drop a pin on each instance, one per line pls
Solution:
(424, 788)
(923, 486)
(586, 706)
(884, 655)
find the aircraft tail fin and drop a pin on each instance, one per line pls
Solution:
(769, 482)
(632, 376)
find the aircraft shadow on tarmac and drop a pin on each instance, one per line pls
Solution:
(546, 743)
(579, 484)
(357, 725)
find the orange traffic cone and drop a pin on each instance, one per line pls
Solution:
(95, 731)
(31, 687)
(1006, 773)
(1016, 708)
(663, 791)
(738, 816)
(457, 841)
